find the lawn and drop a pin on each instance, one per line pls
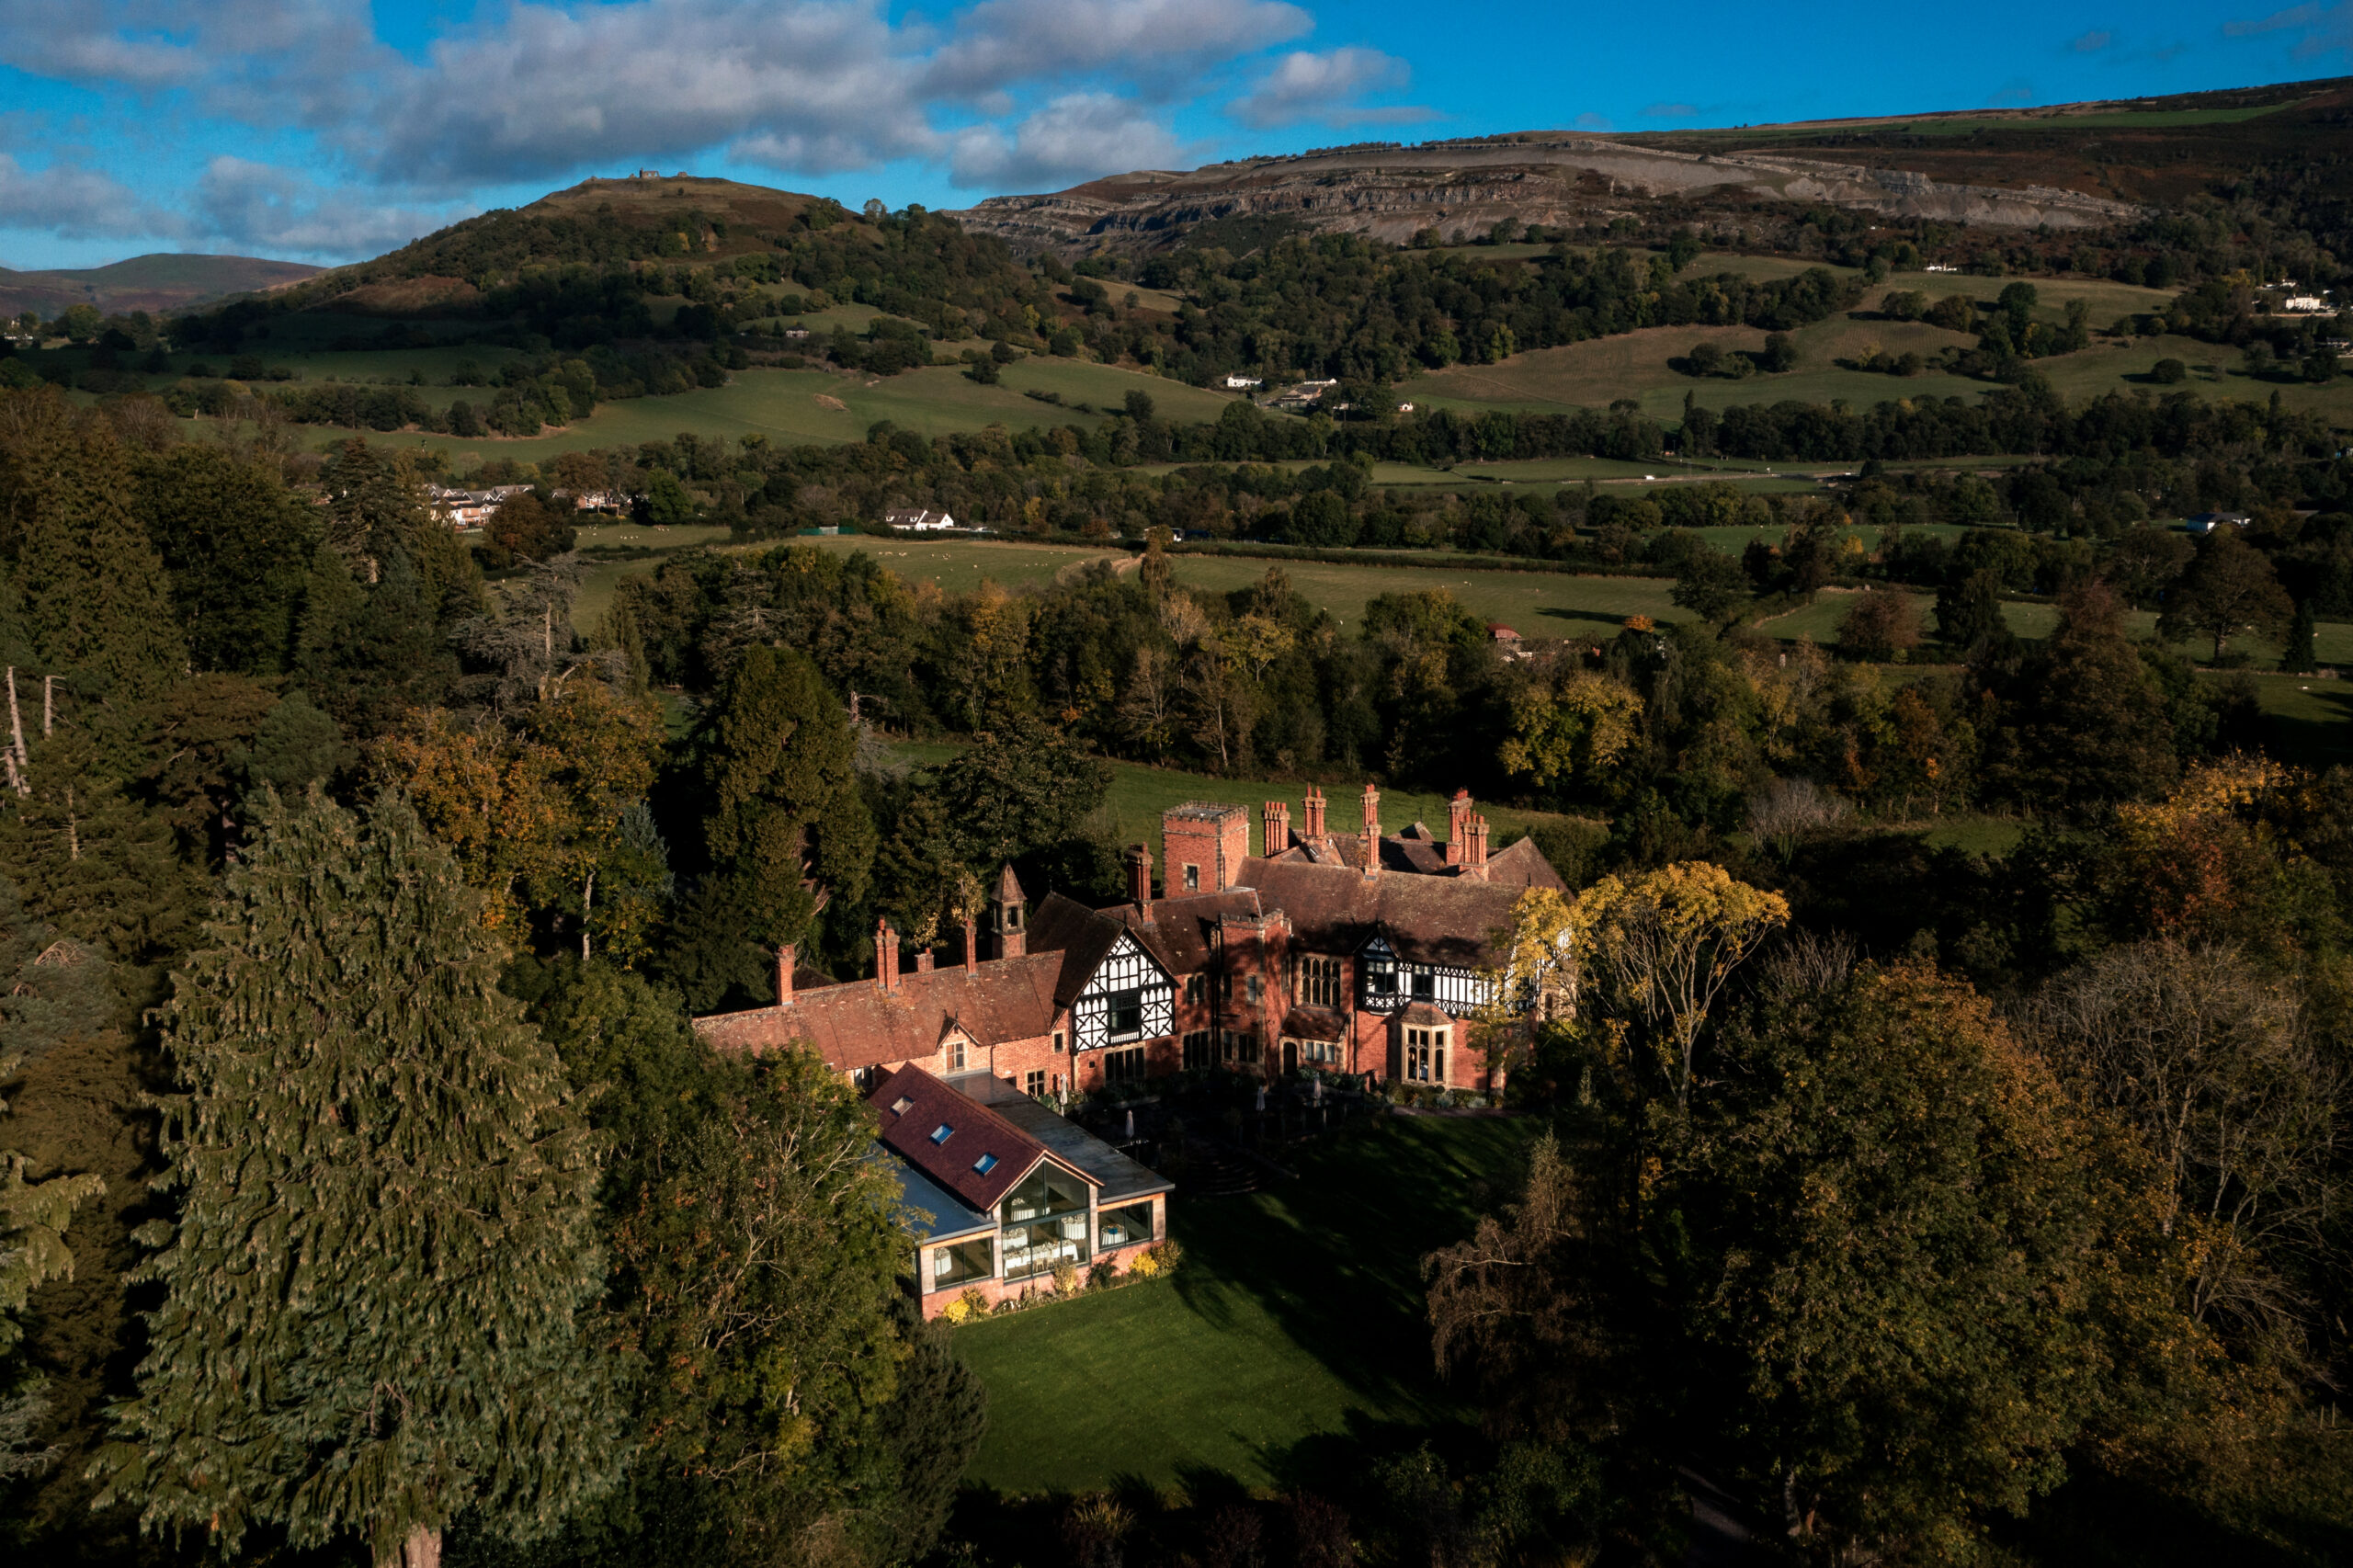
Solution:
(1140, 793)
(1297, 1314)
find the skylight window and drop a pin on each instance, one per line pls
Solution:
(942, 1133)
(901, 1105)
(985, 1163)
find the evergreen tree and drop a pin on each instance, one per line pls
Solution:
(2091, 723)
(788, 827)
(97, 597)
(2300, 658)
(235, 542)
(385, 1237)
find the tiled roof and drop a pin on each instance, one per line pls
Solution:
(1521, 865)
(1079, 936)
(1439, 920)
(1425, 1016)
(858, 1025)
(1183, 930)
(950, 1138)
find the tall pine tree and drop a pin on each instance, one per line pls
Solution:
(386, 1228)
(788, 827)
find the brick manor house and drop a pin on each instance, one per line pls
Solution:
(1358, 953)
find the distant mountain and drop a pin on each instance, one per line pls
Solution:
(164, 281)
(2075, 166)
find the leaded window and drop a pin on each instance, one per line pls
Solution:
(1316, 981)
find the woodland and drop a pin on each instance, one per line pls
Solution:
(368, 1198)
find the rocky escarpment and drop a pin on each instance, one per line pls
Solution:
(1390, 192)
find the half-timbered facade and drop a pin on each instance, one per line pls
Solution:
(1326, 952)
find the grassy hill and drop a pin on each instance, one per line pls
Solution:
(1636, 365)
(158, 283)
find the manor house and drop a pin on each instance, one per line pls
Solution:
(1358, 952)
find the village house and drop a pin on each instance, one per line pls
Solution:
(918, 520)
(1003, 1191)
(1366, 953)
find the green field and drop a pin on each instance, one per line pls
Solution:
(1297, 1316)
(1634, 365)
(1138, 794)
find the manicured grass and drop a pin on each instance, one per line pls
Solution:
(2312, 720)
(1297, 1314)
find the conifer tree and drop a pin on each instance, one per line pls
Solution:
(386, 1225)
(788, 827)
(95, 594)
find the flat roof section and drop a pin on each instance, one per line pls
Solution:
(1123, 1180)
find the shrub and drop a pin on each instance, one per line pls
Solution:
(1103, 1275)
(971, 1304)
(1163, 1256)
(2169, 372)
(1065, 1280)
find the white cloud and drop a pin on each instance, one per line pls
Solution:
(77, 204)
(1157, 43)
(1073, 139)
(534, 90)
(259, 206)
(1323, 85)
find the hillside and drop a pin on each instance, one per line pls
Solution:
(2074, 167)
(164, 281)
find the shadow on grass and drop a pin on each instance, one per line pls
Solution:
(1334, 1256)
(2315, 741)
(1598, 618)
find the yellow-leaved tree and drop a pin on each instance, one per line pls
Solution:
(1660, 946)
(1566, 732)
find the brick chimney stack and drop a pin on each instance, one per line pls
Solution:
(1458, 817)
(923, 960)
(1140, 879)
(1310, 815)
(972, 947)
(1474, 848)
(1371, 831)
(785, 958)
(1275, 819)
(886, 955)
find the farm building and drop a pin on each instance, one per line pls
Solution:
(918, 520)
(1366, 953)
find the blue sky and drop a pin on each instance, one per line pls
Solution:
(330, 130)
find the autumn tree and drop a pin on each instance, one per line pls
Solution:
(1569, 730)
(1882, 624)
(400, 1347)
(2090, 724)
(1660, 948)
(1922, 1279)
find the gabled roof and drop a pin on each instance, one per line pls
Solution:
(1182, 933)
(858, 1025)
(960, 1144)
(1519, 865)
(1080, 937)
(1436, 920)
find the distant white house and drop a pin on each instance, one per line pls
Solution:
(2307, 304)
(1243, 383)
(917, 519)
(1938, 267)
(2209, 522)
(1302, 394)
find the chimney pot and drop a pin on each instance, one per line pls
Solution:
(786, 956)
(1276, 823)
(923, 960)
(971, 946)
(886, 955)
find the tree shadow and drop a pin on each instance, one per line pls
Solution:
(2317, 742)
